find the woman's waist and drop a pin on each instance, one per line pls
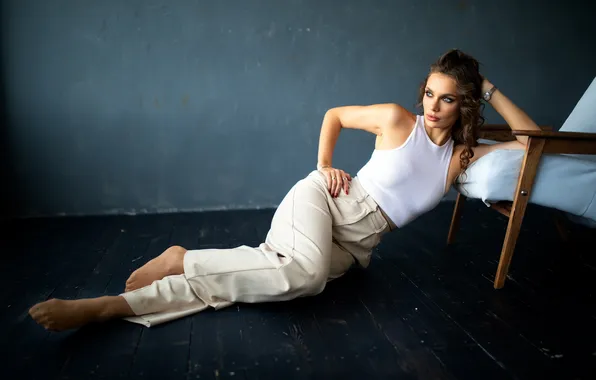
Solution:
(365, 193)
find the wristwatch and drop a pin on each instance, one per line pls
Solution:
(487, 95)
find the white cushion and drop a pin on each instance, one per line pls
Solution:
(583, 116)
(564, 182)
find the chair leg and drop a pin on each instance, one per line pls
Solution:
(561, 225)
(459, 206)
(522, 195)
(513, 228)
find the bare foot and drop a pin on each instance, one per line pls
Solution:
(170, 262)
(59, 315)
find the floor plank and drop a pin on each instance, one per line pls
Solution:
(420, 311)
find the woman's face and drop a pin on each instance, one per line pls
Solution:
(440, 101)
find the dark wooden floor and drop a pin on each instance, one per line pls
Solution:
(421, 311)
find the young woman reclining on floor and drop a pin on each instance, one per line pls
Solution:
(328, 221)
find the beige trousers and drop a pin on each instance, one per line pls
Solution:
(314, 238)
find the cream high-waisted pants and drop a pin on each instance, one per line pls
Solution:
(313, 239)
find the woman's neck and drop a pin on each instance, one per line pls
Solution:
(438, 136)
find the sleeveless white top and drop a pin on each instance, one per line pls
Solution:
(409, 180)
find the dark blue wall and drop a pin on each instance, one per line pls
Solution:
(149, 106)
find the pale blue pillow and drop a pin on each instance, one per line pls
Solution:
(583, 116)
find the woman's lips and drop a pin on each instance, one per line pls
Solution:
(432, 118)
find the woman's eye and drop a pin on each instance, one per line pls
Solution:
(428, 94)
(448, 100)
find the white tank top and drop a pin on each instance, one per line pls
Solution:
(409, 180)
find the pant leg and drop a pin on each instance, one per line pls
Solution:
(294, 261)
(164, 300)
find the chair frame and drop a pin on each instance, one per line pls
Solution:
(540, 142)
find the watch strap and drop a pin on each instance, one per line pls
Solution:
(488, 94)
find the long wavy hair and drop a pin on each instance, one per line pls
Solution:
(465, 70)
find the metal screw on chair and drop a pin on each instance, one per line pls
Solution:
(524, 192)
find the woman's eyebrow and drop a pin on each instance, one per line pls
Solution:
(449, 94)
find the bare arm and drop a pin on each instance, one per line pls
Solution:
(515, 117)
(374, 118)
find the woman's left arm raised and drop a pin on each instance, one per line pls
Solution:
(514, 116)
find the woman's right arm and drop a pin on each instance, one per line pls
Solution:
(374, 118)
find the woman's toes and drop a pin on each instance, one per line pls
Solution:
(35, 313)
(130, 286)
(131, 280)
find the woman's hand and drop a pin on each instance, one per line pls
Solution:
(337, 179)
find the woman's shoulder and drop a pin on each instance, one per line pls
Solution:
(394, 113)
(377, 118)
(398, 117)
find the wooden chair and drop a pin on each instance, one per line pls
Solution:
(539, 142)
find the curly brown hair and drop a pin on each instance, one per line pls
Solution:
(465, 70)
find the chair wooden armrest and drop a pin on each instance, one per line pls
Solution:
(563, 142)
(506, 127)
(556, 134)
(539, 142)
(501, 132)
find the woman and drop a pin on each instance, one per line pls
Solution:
(328, 221)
